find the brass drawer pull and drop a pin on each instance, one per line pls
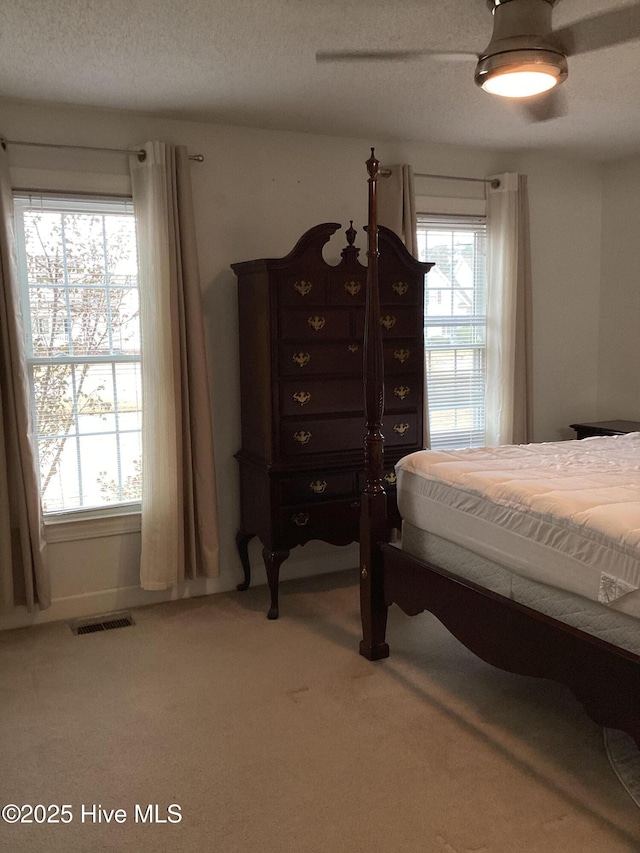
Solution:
(401, 355)
(353, 347)
(391, 478)
(301, 518)
(353, 287)
(302, 437)
(318, 487)
(302, 358)
(302, 397)
(388, 321)
(317, 323)
(400, 287)
(303, 287)
(400, 428)
(401, 391)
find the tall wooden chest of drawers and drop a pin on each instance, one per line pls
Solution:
(301, 350)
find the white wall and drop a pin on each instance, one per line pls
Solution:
(254, 195)
(619, 377)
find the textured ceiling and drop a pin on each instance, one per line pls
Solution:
(252, 62)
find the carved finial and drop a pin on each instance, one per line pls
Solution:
(373, 164)
(350, 252)
(351, 233)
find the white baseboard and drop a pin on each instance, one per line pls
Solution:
(105, 601)
(122, 598)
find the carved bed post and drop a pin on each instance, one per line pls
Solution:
(373, 513)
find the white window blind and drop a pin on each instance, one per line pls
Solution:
(78, 271)
(455, 327)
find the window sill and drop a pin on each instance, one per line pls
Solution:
(92, 524)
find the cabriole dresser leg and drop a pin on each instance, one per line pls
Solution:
(272, 561)
(242, 544)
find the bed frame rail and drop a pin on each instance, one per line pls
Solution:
(513, 637)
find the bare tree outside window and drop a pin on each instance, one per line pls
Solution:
(79, 276)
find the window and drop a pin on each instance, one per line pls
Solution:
(78, 272)
(455, 327)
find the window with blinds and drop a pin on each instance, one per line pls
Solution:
(78, 271)
(455, 327)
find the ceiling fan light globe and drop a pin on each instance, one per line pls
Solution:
(520, 84)
(521, 73)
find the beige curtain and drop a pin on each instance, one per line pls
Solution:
(509, 404)
(397, 205)
(179, 510)
(24, 578)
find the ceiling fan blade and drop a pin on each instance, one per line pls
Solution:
(390, 55)
(545, 107)
(607, 29)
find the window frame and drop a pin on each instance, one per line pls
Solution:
(110, 518)
(467, 214)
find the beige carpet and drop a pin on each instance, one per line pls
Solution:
(277, 736)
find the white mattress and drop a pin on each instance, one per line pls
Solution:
(566, 514)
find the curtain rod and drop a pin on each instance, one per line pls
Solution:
(199, 158)
(495, 183)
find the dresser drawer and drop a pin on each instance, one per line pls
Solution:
(311, 325)
(337, 522)
(302, 290)
(403, 392)
(328, 435)
(317, 486)
(400, 429)
(344, 358)
(399, 291)
(310, 396)
(395, 322)
(303, 359)
(347, 290)
(403, 355)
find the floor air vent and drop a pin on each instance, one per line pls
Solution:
(102, 623)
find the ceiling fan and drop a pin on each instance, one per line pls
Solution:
(526, 58)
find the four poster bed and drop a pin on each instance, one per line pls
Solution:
(528, 582)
